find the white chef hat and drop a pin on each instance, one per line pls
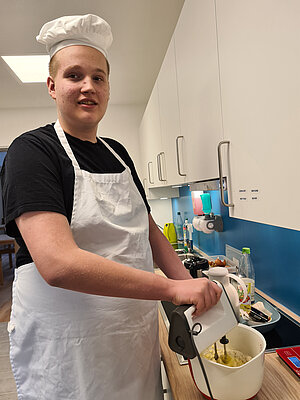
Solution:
(88, 30)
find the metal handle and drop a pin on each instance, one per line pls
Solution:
(144, 183)
(160, 175)
(158, 167)
(177, 154)
(149, 175)
(221, 173)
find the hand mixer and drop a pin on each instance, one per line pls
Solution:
(189, 335)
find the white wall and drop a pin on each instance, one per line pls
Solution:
(161, 211)
(120, 122)
(15, 121)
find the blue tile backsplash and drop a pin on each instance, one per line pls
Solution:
(275, 251)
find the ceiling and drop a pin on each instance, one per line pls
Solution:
(142, 30)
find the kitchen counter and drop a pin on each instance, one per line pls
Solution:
(279, 383)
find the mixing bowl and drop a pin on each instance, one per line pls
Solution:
(234, 383)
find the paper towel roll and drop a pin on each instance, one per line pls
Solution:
(196, 222)
(207, 226)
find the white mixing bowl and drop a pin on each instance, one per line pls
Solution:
(234, 383)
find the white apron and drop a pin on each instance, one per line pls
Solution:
(70, 345)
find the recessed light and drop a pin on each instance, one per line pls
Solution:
(29, 69)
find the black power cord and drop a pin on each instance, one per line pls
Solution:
(193, 333)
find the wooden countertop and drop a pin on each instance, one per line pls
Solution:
(279, 383)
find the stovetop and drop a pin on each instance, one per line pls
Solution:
(285, 333)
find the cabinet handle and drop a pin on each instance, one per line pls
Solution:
(160, 166)
(149, 175)
(177, 154)
(159, 169)
(221, 173)
(144, 183)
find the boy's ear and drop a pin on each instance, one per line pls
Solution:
(51, 87)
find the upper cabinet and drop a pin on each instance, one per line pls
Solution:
(198, 88)
(258, 44)
(171, 140)
(150, 140)
(189, 108)
(231, 73)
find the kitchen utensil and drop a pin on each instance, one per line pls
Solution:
(196, 265)
(189, 336)
(234, 383)
(212, 325)
(221, 275)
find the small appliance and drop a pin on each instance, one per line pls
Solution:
(219, 326)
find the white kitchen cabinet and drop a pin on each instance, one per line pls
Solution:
(161, 144)
(165, 383)
(150, 140)
(171, 139)
(187, 109)
(259, 56)
(153, 174)
(198, 88)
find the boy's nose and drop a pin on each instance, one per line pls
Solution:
(87, 85)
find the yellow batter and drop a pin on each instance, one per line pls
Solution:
(235, 358)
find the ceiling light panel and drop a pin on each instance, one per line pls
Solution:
(29, 69)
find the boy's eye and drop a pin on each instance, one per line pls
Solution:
(99, 78)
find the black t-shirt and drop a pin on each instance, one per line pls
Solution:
(37, 175)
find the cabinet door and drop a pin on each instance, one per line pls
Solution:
(260, 86)
(172, 142)
(198, 88)
(150, 140)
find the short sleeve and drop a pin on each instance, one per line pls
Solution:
(31, 181)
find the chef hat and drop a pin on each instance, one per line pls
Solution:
(87, 30)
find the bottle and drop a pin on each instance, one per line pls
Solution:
(190, 241)
(185, 234)
(246, 272)
(179, 230)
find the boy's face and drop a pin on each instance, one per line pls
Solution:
(80, 87)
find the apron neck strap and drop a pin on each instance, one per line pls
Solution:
(65, 144)
(115, 154)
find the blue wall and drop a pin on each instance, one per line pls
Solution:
(274, 250)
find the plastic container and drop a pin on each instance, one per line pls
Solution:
(221, 275)
(185, 234)
(230, 265)
(234, 383)
(179, 229)
(170, 233)
(206, 203)
(197, 203)
(246, 272)
(190, 238)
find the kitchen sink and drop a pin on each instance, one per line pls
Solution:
(184, 256)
